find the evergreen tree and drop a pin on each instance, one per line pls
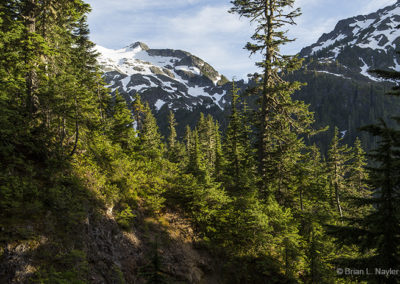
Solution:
(238, 152)
(338, 156)
(357, 182)
(377, 234)
(281, 120)
(138, 110)
(313, 210)
(358, 174)
(151, 145)
(219, 157)
(205, 129)
(188, 143)
(376, 230)
(175, 148)
(156, 276)
(121, 131)
(172, 131)
(54, 93)
(196, 164)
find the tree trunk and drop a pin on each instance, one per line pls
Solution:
(337, 197)
(32, 100)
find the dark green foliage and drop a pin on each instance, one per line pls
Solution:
(176, 149)
(150, 139)
(240, 168)
(71, 267)
(343, 103)
(71, 152)
(338, 156)
(121, 129)
(376, 233)
(66, 147)
(155, 274)
(281, 120)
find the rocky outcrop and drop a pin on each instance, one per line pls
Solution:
(111, 250)
(113, 255)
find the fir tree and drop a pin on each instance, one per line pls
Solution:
(172, 131)
(357, 181)
(238, 152)
(280, 119)
(206, 132)
(151, 145)
(122, 131)
(196, 164)
(377, 234)
(219, 157)
(338, 156)
(175, 147)
(138, 111)
(358, 174)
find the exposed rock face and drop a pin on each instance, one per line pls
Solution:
(15, 262)
(110, 250)
(116, 256)
(163, 77)
(358, 44)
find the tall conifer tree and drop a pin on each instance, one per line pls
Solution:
(280, 119)
(122, 131)
(151, 145)
(239, 171)
(338, 157)
(377, 234)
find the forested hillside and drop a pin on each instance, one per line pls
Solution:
(91, 192)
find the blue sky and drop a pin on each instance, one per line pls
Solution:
(207, 30)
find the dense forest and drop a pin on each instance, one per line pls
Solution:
(80, 172)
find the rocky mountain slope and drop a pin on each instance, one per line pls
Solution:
(168, 80)
(339, 88)
(360, 43)
(163, 76)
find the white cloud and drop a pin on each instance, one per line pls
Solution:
(106, 6)
(374, 5)
(209, 20)
(212, 34)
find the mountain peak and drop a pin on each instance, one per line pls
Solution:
(163, 76)
(362, 42)
(378, 30)
(139, 44)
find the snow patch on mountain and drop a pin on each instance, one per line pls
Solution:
(396, 66)
(327, 43)
(334, 74)
(165, 74)
(364, 71)
(361, 25)
(159, 103)
(377, 30)
(360, 43)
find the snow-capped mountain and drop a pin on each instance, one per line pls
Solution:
(360, 43)
(163, 77)
(339, 89)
